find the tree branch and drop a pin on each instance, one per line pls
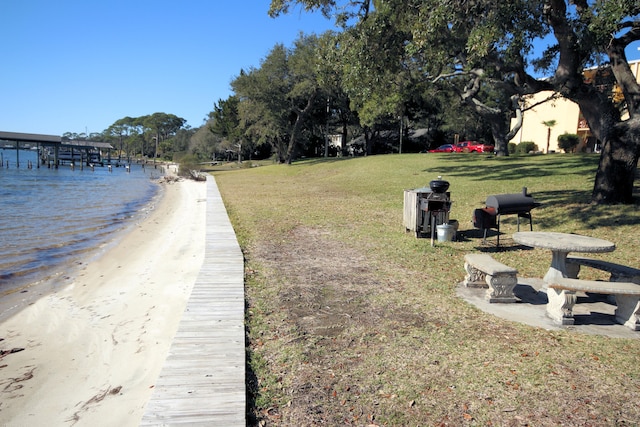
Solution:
(516, 107)
(569, 63)
(449, 75)
(630, 36)
(551, 97)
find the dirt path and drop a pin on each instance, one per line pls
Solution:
(331, 311)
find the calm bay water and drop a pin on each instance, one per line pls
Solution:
(51, 218)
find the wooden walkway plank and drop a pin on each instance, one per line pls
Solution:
(202, 382)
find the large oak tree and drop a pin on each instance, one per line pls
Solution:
(488, 51)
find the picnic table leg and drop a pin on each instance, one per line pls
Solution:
(558, 268)
(628, 311)
(560, 305)
(573, 270)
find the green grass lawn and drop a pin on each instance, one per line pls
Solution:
(325, 238)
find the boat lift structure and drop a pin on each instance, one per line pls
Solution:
(56, 142)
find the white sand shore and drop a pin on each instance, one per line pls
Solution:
(93, 350)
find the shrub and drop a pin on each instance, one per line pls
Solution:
(568, 142)
(187, 164)
(526, 147)
(512, 147)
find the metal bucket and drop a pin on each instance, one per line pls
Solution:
(445, 232)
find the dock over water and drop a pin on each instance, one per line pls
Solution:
(203, 379)
(53, 142)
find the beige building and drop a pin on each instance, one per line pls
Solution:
(566, 115)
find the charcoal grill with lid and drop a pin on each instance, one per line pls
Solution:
(519, 204)
(435, 208)
(426, 207)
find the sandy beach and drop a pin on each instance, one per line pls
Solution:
(90, 353)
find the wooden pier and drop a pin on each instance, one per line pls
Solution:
(53, 142)
(202, 382)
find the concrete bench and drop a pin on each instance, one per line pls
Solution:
(619, 273)
(485, 272)
(562, 297)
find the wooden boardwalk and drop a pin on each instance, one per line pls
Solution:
(202, 382)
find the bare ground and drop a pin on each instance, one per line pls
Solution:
(323, 298)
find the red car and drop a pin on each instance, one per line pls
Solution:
(472, 147)
(446, 148)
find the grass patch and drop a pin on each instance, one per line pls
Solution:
(352, 320)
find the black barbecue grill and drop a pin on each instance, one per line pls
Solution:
(519, 204)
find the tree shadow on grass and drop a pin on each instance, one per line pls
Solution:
(489, 245)
(511, 168)
(572, 205)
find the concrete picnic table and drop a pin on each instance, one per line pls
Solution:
(560, 245)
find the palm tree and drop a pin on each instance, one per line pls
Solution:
(549, 124)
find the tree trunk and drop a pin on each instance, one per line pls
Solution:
(401, 134)
(368, 141)
(300, 116)
(499, 131)
(618, 164)
(620, 139)
(280, 147)
(293, 146)
(345, 135)
(620, 146)
(498, 124)
(496, 117)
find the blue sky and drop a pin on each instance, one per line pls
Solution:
(78, 66)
